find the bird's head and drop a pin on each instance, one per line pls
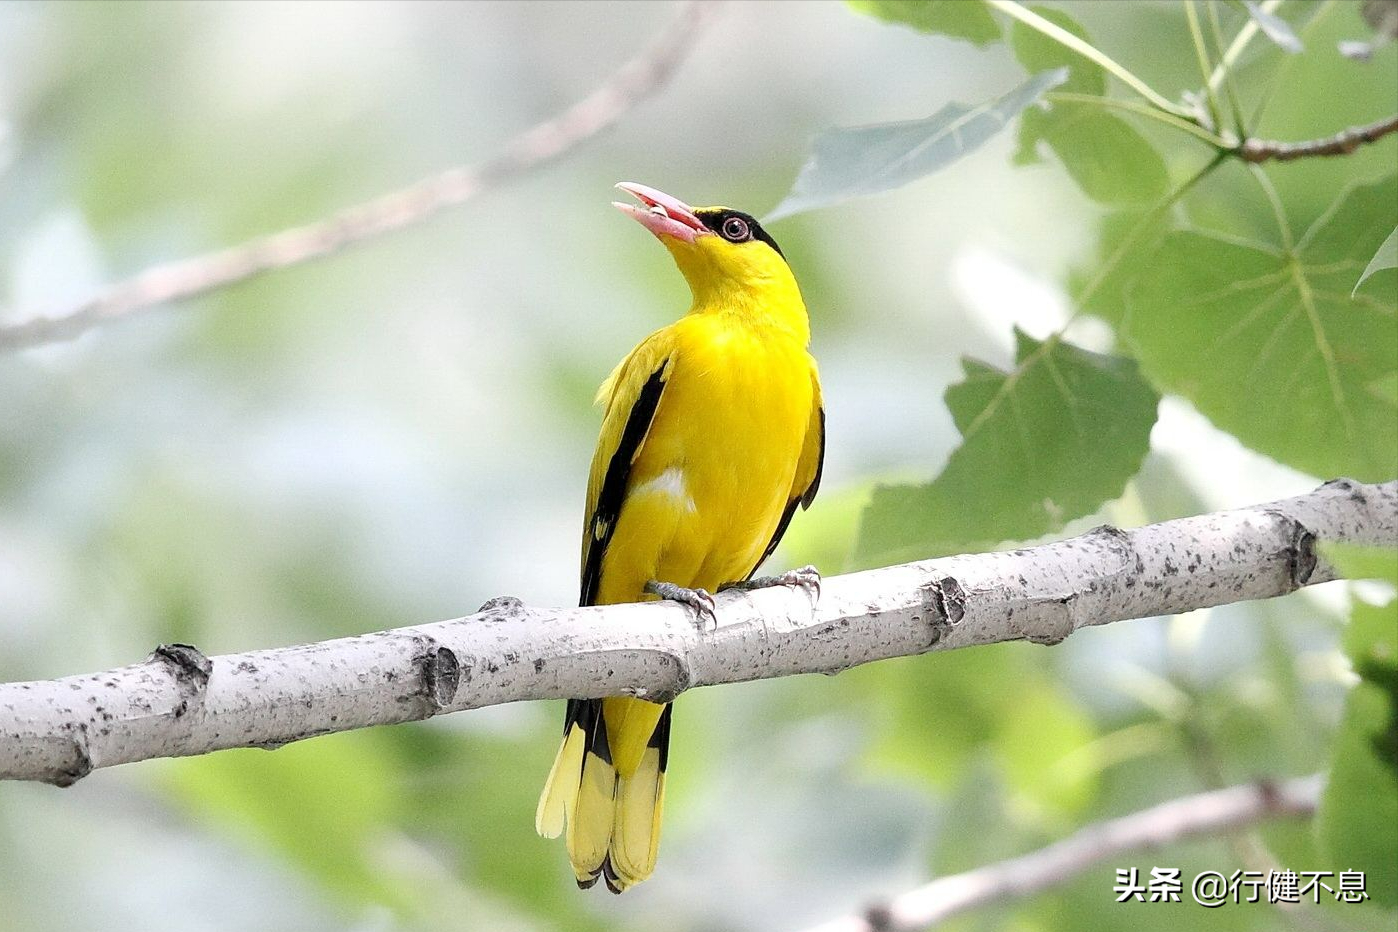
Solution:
(725, 254)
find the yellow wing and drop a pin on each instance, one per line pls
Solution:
(631, 394)
(808, 468)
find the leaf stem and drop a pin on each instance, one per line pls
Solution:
(1240, 42)
(1196, 35)
(1088, 51)
(1229, 85)
(1140, 109)
(1130, 238)
(1081, 299)
(1283, 225)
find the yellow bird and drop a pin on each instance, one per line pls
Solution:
(713, 433)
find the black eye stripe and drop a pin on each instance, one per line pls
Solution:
(715, 217)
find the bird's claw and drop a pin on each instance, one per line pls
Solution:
(697, 599)
(807, 577)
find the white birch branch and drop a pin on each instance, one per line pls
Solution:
(187, 278)
(178, 702)
(1202, 814)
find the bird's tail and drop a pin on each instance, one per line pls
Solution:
(607, 788)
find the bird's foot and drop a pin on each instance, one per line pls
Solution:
(807, 577)
(697, 599)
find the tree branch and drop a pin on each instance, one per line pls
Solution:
(176, 281)
(178, 702)
(1202, 814)
(1342, 143)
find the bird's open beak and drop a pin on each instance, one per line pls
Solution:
(662, 214)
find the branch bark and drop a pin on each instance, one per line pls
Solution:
(179, 702)
(1342, 143)
(1202, 814)
(187, 278)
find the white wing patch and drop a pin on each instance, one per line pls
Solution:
(671, 484)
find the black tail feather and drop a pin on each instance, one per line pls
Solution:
(609, 873)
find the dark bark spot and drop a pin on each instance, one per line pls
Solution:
(79, 767)
(1356, 493)
(1301, 556)
(953, 599)
(441, 675)
(879, 917)
(506, 605)
(1111, 532)
(946, 600)
(191, 668)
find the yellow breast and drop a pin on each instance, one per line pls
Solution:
(716, 469)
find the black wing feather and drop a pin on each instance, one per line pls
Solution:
(613, 491)
(809, 495)
(803, 498)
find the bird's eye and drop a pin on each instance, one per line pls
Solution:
(735, 229)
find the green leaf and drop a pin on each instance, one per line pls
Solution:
(1274, 28)
(1267, 343)
(1125, 240)
(1358, 819)
(1385, 258)
(955, 18)
(1041, 445)
(1037, 52)
(861, 160)
(1109, 160)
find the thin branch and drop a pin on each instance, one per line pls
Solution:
(1342, 143)
(1190, 816)
(179, 702)
(1250, 150)
(187, 278)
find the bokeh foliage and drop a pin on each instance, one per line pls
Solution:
(399, 433)
(1272, 336)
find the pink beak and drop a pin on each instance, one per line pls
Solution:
(662, 214)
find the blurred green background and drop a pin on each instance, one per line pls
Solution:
(402, 431)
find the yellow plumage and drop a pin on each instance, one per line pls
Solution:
(712, 433)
